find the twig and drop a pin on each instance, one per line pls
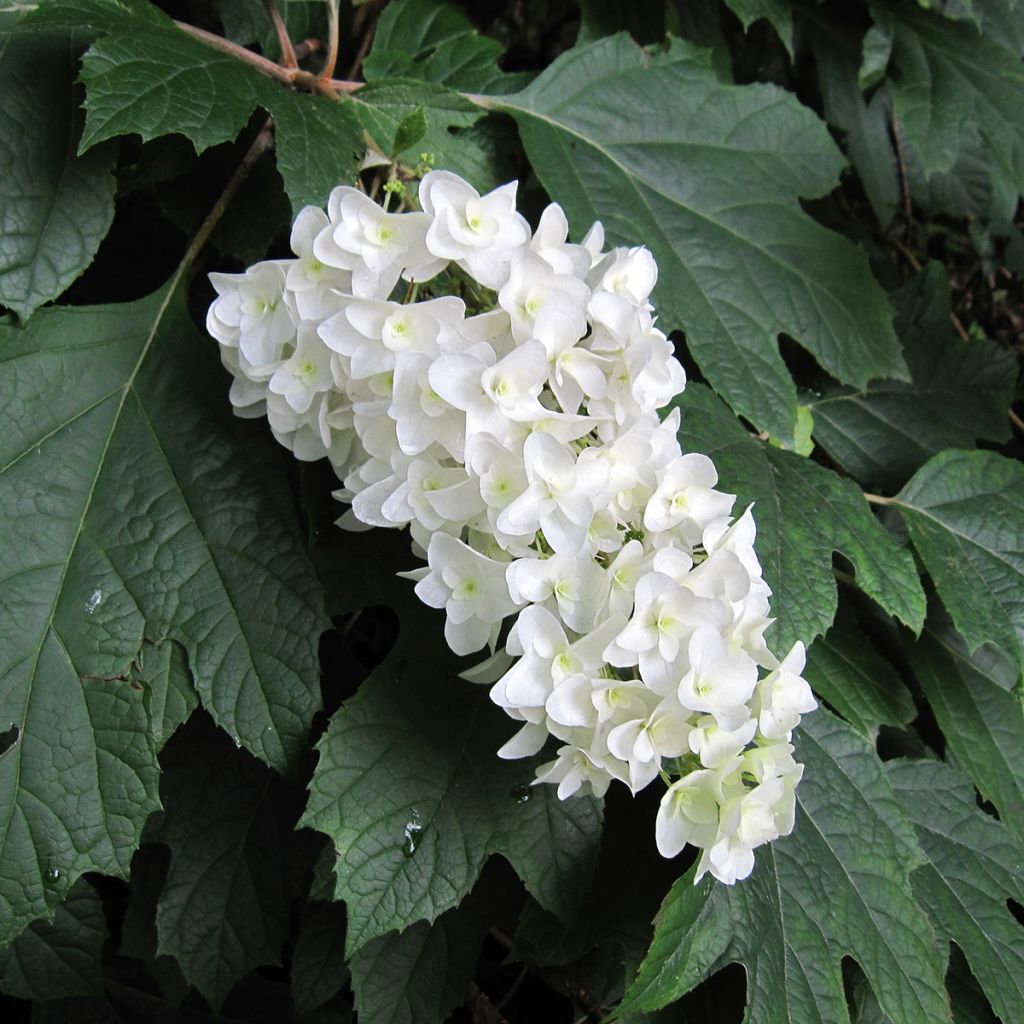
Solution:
(295, 77)
(914, 262)
(513, 989)
(590, 1004)
(268, 67)
(288, 58)
(958, 327)
(306, 47)
(900, 163)
(1016, 421)
(481, 1007)
(332, 41)
(367, 39)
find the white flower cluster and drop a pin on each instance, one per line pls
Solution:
(520, 441)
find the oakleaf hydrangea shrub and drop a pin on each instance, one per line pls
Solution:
(497, 390)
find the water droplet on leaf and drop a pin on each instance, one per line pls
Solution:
(94, 601)
(521, 794)
(411, 837)
(53, 874)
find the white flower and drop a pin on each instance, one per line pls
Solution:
(688, 813)
(783, 696)
(374, 245)
(479, 232)
(471, 589)
(560, 497)
(306, 373)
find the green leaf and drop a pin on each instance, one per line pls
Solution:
(135, 505)
(172, 84)
(740, 261)
(646, 23)
(318, 144)
(961, 391)
(778, 13)
(410, 130)
(412, 838)
(382, 108)
(422, 974)
(55, 207)
(162, 671)
(846, 669)
(433, 40)
(228, 822)
(945, 75)
(804, 513)
(838, 886)
(138, 929)
(865, 123)
(973, 868)
(60, 958)
(177, 84)
(980, 714)
(318, 961)
(965, 515)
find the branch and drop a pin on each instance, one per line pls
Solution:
(294, 77)
(288, 58)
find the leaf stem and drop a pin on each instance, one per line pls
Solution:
(878, 499)
(288, 58)
(332, 41)
(1015, 420)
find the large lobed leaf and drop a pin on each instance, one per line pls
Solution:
(804, 513)
(55, 207)
(134, 506)
(410, 792)
(976, 703)
(228, 821)
(965, 515)
(945, 75)
(973, 867)
(960, 391)
(838, 886)
(708, 176)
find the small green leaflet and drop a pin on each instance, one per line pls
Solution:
(838, 886)
(803, 512)
(960, 392)
(965, 515)
(228, 822)
(414, 800)
(979, 711)
(62, 958)
(55, 207)
(973, 867)
(740, 262)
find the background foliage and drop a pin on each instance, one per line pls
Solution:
(239, 778)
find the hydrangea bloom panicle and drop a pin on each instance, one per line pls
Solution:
(515, 428)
